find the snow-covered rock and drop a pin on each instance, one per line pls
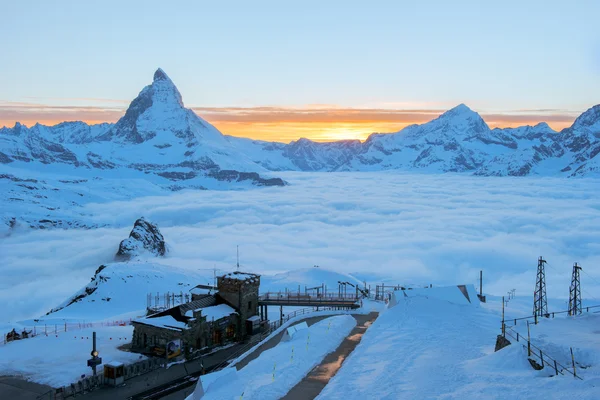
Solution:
(459, 140)
(144, 237)
(157, 135)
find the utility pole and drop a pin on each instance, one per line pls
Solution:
(575, 292)
(480, 295)
(238, 257)
(214, 275)
(540, 301)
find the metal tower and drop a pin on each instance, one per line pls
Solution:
(575, 292)
(540, 301)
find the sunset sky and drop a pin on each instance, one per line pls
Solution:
(283, 70)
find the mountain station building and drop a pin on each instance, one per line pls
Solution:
(214, 316)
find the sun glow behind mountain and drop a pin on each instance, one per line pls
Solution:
(283, 124)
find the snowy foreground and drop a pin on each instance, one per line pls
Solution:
(60, 359)
(279, 369)
(427, 348)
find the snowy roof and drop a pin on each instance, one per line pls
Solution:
(205, 301)
(254, 318)
(114, 364)
(203, 289)
(214, 312)
(166, 322)
(241, 275)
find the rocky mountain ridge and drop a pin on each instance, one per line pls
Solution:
(159, 137)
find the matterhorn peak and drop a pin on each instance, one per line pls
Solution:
(160, 75)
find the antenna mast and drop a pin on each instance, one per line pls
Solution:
(575, 292)
(540, 301)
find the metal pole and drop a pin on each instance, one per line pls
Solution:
(503, 331)
(573, 361)
(528, 341)
(94, 350)
(481, 283)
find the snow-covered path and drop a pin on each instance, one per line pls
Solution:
(432, 349)
(275, 371)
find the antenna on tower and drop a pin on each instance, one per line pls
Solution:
(540, 301)
(238, 257)
(575, 292)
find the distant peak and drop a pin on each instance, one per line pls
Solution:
(160, 75)
(461, 108)
(542, 125)
(589, 118)
(461, 111)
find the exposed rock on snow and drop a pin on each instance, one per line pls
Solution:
(144, 236)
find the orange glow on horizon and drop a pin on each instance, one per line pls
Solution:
(321, 124)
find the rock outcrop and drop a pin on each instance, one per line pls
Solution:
(144, 237)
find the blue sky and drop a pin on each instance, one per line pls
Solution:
(532, 59)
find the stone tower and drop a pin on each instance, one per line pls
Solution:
(240, 291)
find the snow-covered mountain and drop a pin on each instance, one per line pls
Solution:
(459, 140)
(157, 136)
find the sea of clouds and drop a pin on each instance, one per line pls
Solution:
(385, 226)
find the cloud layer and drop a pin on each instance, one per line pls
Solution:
(401, 228)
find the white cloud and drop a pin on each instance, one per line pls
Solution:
(439, 229)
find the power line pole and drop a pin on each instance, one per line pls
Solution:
(540, 301)
(575, 292)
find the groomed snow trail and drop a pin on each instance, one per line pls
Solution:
(425, 348)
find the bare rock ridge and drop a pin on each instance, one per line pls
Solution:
(144, 237)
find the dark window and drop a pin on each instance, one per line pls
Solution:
(249, 306)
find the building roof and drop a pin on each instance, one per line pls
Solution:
(214, 312)
(203, 289)
(167, 322)
(206, 301)
(114, 364)
(242, 276)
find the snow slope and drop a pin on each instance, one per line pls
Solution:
(277, 370)
(425, 348)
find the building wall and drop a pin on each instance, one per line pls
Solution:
(241, 295)
(201, 333)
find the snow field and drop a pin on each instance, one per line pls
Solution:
(425, 348)
(277, 370)
(61, 359)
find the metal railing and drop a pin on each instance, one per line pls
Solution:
(547, 315)
(544, 358)
(293, 297)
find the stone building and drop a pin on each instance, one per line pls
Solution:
(240, 291)
(212, 318)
